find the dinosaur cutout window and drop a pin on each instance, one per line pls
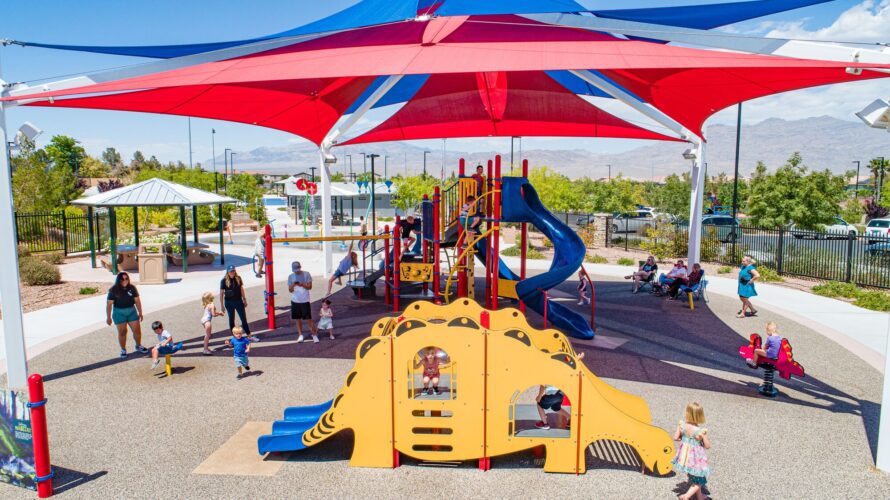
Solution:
(432, 375)
(540, 411)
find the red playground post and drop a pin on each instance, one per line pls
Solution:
(387, 275)
(437, 198)
(488, 211)
(40, 436)
(523, 239)
(396, 264)
(425, 248)
(270, 279)
(495, 235)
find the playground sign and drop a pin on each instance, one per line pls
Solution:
(16, 444)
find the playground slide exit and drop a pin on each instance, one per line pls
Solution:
(287, 434)
(521, 203)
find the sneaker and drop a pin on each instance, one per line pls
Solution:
(435, 392)
(299, 339)
(247, 368)
(155, 363)
(315, 339)
(580, 302)
(123, 353)
(542, 425)
(142, 349)
(331, 336)
(239, 377)
(253, 338)
(423, 393)
(750, 363)
(207, 352)
(587, 301)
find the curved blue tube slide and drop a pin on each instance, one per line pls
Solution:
(521, 203)
(287, 434)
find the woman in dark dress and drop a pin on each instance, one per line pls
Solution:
(124, 308)
(231, 294)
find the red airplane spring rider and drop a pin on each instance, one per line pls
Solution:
(784, 364)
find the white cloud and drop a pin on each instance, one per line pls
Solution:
(838, 101)
(865, 22)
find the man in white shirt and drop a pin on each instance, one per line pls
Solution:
(299, 283)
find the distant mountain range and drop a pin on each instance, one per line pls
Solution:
(824, 142)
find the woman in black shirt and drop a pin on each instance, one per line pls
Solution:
(124, 307)
(231, 294)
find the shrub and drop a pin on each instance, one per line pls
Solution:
(515, 251)
(88, 290)
(724, 270)
(548, 243)
(54, 258)
(837, 289)
(38, 272)
(767, 274)
(626, 261)
(24, 251)
(595, 259)
(664, 240)
(873, 300)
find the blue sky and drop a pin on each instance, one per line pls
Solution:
(160, 22)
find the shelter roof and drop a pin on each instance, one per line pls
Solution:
(153, 192)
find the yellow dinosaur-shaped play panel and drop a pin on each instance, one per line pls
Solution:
(483, 361)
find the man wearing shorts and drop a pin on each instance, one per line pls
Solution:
(299, 283)
(550, 398)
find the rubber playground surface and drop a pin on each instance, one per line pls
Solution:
(121, 430)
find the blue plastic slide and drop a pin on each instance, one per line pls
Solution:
(521, 203)
(287, 434)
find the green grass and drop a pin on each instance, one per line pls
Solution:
(873, 300)
(515, 251)
(767, 275)
(626, 261)
(724, 270)
(595, 259)
(88, 290)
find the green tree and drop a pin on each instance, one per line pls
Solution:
(65, 152)
(410, 190)
(673, 196)
(29, 178)
(93, 167)
(555, 190)
(792, 194)
(617, 195)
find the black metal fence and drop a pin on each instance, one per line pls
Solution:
(44, 232)
(851, 257)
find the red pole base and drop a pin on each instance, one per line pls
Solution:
(40, 436)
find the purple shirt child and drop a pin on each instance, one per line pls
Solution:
(773, 343)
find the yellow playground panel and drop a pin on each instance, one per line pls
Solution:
(495, 355)
(416, 272)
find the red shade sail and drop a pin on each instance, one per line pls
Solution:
(499, 104)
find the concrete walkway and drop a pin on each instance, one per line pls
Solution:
(863, 332)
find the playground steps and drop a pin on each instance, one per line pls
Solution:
(287, 434)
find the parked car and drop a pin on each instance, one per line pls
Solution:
(635, 222)
(878, 230)
(878, 249)
(726, 227)
(840, 229)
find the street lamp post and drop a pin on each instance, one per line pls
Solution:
(312, 173)
(610, 171)
(424, 162)
(350, 168)
(226, 170)
(190, 142)
(232, 161)
(385, 171)
(213, 153)
(857, 178)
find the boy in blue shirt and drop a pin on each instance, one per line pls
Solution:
(240, 348)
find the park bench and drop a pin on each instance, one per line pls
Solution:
(243, 220)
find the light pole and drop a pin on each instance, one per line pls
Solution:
(190, 142)
(364, 163)
(232, 162)
(226, 170)
(373, 203)
(424, 162)
(857, 178)
(312, 173)
(213, 153)
(385, 171)
(351, 177)
(610, 171)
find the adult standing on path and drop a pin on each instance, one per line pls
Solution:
(747, 275)
(299, 283)
(231, 294)
(124, 308)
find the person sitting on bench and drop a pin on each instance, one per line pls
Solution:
(770, 348)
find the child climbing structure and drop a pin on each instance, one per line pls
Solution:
(493, 358)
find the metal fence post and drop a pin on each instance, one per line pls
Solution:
(780, 252)
(92, 237)
(64, 233)
(850, 239)
(626, 237)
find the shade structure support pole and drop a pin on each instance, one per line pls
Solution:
(629, 100)
(92, 237)
(222, 254)
(326, 216)
(195, 223)
(882, 460)
(183, 240)
(13, 326)
(696, 204)
(136, 226)
(366, 106)
(112, 233)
